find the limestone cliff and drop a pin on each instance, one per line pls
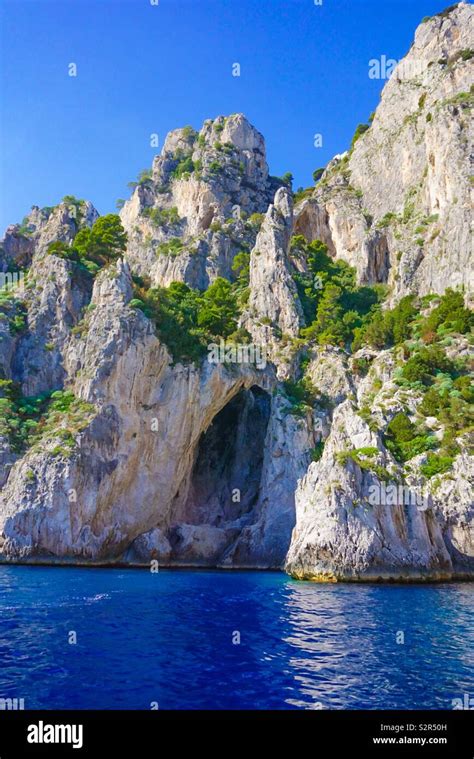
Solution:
(202, 189)
(341, 447)
(398, 204)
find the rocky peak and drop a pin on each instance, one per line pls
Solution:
(227, 139)
(446, 32)
(178, 141)
(416, 235)
(43, 226)
(199, 182)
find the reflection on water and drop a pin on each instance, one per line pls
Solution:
(346, 652)
(168, 637)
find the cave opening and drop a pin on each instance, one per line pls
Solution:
(226, 476)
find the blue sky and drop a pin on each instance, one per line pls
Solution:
(144, 69)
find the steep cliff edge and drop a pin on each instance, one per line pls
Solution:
(232, 374)
(398, 204)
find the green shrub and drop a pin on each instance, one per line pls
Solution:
(14, 310)
(76, 207)
(403, 441)
(367, 451)
(386, 220)
(99, 245)
(189, 133)
(450, 315)
(333, 305)
(161, 217)
(465, 387)
(302, 193)
(446, 11)
(360, 130)
(256, 219)
(363, 458)
(401, 428)
(173, 311)
(171, 247)
(64, 251)
(425, 363)
(432, 403)
(144, 177)
(456, 417)
(329, 325)
(25, 229)
(365, 413)
(436, 464)
(241, 267)
(361, 366)
(317, 174)
(184, 168)
(387, 328)
(317, 451)
(186, 320)
(218, 311)
(287, 179)
(301, 394)
(26, 421)
(136, 303)
(17, 323)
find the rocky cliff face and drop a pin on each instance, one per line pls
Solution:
(341, 449)
(398, 205)
(200, 190)
(354, 525)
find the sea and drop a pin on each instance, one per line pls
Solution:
(100, 638)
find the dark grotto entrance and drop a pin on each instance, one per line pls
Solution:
(226, 476)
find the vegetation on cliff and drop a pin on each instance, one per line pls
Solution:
(94, 247)
(188, 320)
(25, 421)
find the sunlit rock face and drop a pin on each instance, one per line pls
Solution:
(209, 181)
(398, 206)
(217, 464)
(344, 533)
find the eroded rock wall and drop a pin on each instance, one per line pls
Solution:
(203, 464)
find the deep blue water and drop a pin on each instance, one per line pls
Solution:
(167, 638)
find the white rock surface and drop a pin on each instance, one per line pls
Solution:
(209, 465)
(413, 163)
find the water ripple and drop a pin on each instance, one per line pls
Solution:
(171, 637)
